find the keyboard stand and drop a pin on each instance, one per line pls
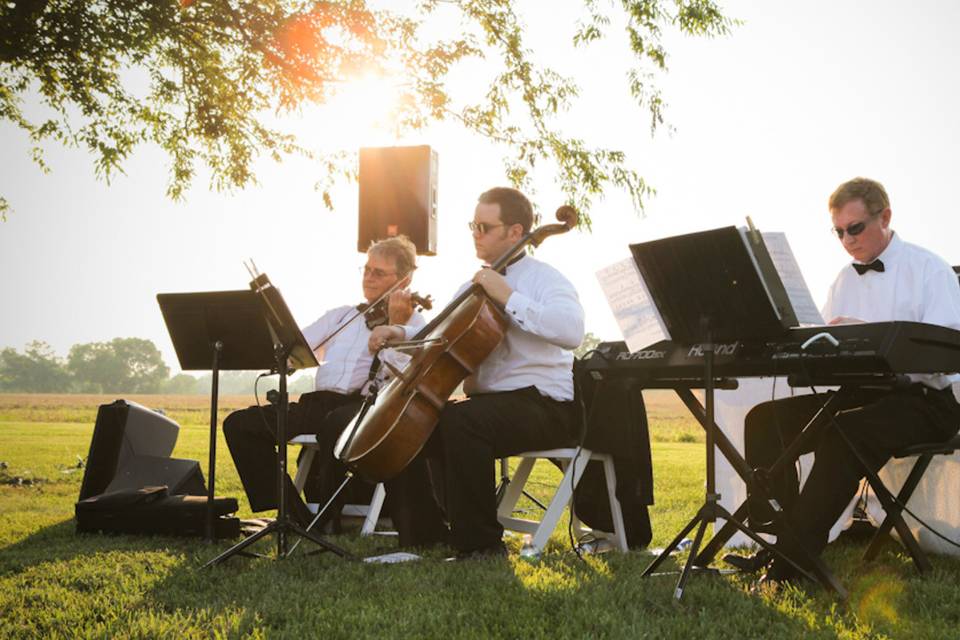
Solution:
(734, 522)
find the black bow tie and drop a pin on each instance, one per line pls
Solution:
(876, 265)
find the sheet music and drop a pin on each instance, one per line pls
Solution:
(631, 304)
(745, 233)
(797, 290)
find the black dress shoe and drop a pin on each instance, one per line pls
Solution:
(749, 564)
(777, 576)
(766, 584)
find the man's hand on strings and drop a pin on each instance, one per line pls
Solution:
(382, 335)
(494, 284)
(399, 307)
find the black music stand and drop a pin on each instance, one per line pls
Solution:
(244, 330)
(216, 331)
(713, 286)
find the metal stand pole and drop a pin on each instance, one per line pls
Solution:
(282, 407)
(212, 461)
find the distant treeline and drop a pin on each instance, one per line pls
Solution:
(132, 365)
(123, 365)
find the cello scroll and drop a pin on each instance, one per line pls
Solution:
(568, 218)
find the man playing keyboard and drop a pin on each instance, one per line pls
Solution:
(888, 279)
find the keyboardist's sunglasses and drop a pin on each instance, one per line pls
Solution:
(854, 229)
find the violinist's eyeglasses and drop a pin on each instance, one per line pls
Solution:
(376, 273)
(483, 227)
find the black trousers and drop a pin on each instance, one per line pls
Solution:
(251, 438)
(875, 422)
(458, 466)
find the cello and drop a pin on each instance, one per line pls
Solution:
(388, 433)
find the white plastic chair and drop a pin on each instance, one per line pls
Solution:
(370, 513)
(573, 461)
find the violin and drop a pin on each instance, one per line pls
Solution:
(378, 314)
(379, 311)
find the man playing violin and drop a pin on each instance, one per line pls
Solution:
(341, 381)
(519, 399)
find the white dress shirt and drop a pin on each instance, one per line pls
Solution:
(545, 325)
(345, 360)
(915, 285)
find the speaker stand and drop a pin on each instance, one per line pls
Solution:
(212, 460)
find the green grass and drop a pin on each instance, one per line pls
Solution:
(55, 583)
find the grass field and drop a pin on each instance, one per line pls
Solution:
(55, 583)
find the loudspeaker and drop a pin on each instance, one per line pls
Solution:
(130, 449)
(398, 196)
(181, 477)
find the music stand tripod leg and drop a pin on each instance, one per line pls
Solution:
(720, 538)
(674, 544)
(282, 525)
(689, 565)
(238, 549)
(323, 510)
(319, 541)
(283, 518)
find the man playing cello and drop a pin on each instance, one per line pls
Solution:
(519, 399)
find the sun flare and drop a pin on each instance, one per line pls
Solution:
(364, 111)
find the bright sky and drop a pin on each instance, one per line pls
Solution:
(768, 121)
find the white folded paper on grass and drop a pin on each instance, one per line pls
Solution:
(393, 558)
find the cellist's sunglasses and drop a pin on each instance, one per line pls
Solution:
(483, 227)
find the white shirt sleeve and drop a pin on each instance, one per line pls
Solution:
(827, 312)
(319, 330)
(557, 317)
(941, 296)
